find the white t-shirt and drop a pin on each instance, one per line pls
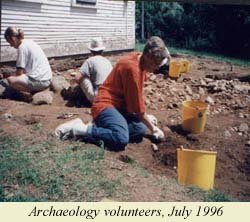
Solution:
(97, 68)
(31, 57)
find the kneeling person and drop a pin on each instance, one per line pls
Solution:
(118, 111)
(33, 72)
(94, 70)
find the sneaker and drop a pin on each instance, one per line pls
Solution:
(81, 129)
(70, 128)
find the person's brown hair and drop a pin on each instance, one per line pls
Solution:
(13, 32)
(156, 48)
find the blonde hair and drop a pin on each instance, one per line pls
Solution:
(156, 48)
(13, 32)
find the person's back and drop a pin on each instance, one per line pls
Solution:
(117, 91)
(94, 70)
(97, 68)
(31, 57)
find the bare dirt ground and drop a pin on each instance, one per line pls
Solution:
(227, 128)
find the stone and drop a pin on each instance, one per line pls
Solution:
(152, 77)
(242, 88)
(160, 85)
(59, 83)
(241, 115)
(44, 97)
(196, 97)
(202, 82)
(243, 127)
(187, 97)
(235, 128)
(154, 147)
(188, 90)
(161, 99)
(186, 77)
(209, 100)
(73, 74)
(70, 71)
(7, 116)
(153, 107)
(160, 76)
(170, 106)
(201, 91)
(227, 134)
(147, 102)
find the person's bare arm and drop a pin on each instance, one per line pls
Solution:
(19, 71)
(146, 121)
(78, 78)
(153, 128)
(85, 84)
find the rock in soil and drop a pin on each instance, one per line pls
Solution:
(59, 83)
(44, 97)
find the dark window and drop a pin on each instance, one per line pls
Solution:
(86, 1)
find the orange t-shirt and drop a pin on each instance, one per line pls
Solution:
(123, 88)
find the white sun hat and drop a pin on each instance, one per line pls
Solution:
(96, 44)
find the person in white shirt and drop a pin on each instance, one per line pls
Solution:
(33, 72)
(94, 70)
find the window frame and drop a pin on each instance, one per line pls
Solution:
(84, 4)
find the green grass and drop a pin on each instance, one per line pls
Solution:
(36, 127)
(71, 171)
(209, 196)
(52, 171)
(173, 50)
(218, 196)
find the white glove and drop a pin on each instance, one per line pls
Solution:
(152, 119)
(157, 133)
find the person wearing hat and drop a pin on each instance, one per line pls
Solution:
(119, 113)
(94, 70)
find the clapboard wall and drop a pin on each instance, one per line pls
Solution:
(62, 27)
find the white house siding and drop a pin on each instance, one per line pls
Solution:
(62, 29)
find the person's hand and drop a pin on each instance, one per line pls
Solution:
(1, 76)
(78, 78)
(158, 134)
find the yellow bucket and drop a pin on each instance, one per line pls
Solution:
(185, 66)
(196, 167)
(194, 116)
(174, 69)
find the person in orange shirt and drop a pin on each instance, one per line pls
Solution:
(118, 111)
